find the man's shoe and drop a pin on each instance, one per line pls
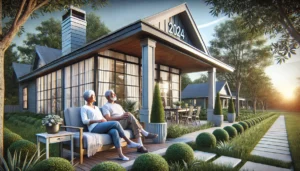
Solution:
(142, 149)
(151, 136)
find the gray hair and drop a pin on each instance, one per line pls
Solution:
(87, 94)
(108, 93)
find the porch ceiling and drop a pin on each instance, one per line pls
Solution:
(164, 55)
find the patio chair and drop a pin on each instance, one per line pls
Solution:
(169, 115)
(196, 115)
(188, 116)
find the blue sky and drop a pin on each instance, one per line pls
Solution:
(121, 13)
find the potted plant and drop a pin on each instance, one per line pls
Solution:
(158, 124)
(231, 112)
(218, 116)
(177, 104)
(52, 122)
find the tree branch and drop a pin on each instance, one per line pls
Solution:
(41, 4)
(19, 12)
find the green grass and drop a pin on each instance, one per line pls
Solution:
(292, 121)
(242, 145)
(177, 130)
(197, 165)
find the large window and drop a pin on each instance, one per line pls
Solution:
(120, 73)
(25, 98)
(49, 93)
(79, 77)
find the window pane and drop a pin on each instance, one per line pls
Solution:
(132, 69)
(106, 64)
(120, 92)
(103, 87)
(132, 80)
(132, 91)
(132, 59)
(175, 78)
(67, 97)
(164, 76)
(58, 79)
(67, 77)
(119, 67)
(74, 75)
(119, 78)
(106, 76)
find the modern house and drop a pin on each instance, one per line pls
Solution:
(130, 60)
(197, 94)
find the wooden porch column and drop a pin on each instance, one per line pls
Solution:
(148, 63)
(211, 93)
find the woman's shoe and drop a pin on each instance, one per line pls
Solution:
(133, 145)
(124, 158)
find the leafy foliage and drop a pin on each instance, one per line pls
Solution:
(231, 106)
(53, 163)
(206, 139)
(24, 146)
(221, 135)
(176, 130)
(239, 128)
(218, 106)
(10, 138)
(232, 132)
(179, 152)
(153, 162)
(108, 166)
(185, 80)
(203, 79)
(157, 112)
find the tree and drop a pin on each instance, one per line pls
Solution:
(49, 34)
(235, 45)
(185, 80)
(271, 16)
(203, 79)
(11, 84)
(18, 12)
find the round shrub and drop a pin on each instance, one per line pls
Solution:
(153, 162)
(221, 135)
(239, 128)
(10, 138)
(231, 131)
(248, 123)
(108, 166)
(244, 124)
(53, 163)
(206, 139)
(178, 152)
(24, 146)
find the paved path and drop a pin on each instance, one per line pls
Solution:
(274, 144)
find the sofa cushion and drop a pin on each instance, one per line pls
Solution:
(72, 117)
(105, 138)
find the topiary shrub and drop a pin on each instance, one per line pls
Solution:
(244, 124)
(150, 162)
(53, 163)
(231, 131)
(221, 135)
(218, 106)
(10, 138)
(239, 128)
(231, 106)
(24, 146)
(206, 139)
(248, 123)
(157, 112)
(179, 152)
(108, 166)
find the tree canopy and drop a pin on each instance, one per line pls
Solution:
(270, 16)
(185, 80)
(202, 79)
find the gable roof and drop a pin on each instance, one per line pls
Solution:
(21, 69)
(200, 90)
(188, 20)
(46, 54)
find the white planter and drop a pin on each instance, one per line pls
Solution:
(218, 120)
(160, 129)
(231, 117)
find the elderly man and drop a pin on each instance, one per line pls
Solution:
(114, 111)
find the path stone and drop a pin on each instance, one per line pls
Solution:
(128, 165)
(204, 156)
(160, 151)
(274, 140)
(276, 137)
(277, 151)
(274, 143)
(273, 147)
(227, 161)
(282, 157)
(261, 167)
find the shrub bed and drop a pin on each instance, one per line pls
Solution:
(108, 166)
(24, 146)
(53, 164)
(176, 130)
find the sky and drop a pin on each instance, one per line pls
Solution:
(119, 13)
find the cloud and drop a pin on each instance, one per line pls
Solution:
(211, 23)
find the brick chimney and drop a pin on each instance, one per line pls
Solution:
(73, 30)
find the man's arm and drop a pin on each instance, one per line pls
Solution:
(108, 117)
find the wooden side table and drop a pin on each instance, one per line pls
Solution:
(60, 137)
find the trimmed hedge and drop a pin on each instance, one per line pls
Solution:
(206, 139)
(10, 138)
(231, 131)
(53, 164)
(239, 128)
(244, 124)
(221, 135)
(24, 146)
(179, 152)
(150, 162)
(108, 166)
(218, 106)
(157, 112)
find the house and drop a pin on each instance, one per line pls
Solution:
(130, 60)
(197, 94)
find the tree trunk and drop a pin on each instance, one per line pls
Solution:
(2, 92)
(254, 105)
(237, 99)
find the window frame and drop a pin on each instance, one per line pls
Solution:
(26, 87)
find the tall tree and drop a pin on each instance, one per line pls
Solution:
(11, 83)
(18, 12)
(203, 79)
(185, 80)
(271, 16)
(235, 45)
(49, 34)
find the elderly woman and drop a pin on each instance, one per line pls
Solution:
(92, 117)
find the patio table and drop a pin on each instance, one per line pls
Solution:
(177, 111)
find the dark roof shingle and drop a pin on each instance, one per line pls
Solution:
(21, 69)
(199, 90)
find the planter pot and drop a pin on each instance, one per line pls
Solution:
(52, 129)
(231, 117)
(218, 120)
(160, 129)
